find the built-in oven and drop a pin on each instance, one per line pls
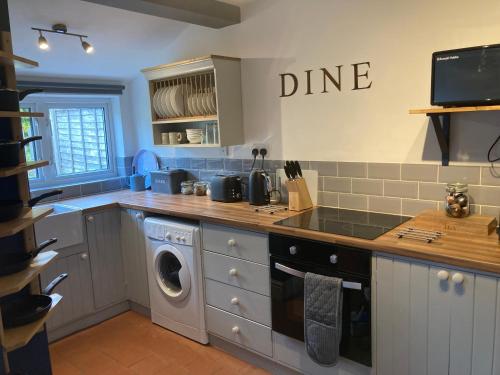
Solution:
(291, 258)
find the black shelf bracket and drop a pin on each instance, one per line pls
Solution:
(441, 123)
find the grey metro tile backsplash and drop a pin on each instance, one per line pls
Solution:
(383, 187)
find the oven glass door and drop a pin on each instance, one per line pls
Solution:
(287, 295)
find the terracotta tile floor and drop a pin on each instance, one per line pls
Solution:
(130, 344)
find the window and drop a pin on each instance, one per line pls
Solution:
(77, 139)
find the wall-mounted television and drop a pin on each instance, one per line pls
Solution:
(466, 76)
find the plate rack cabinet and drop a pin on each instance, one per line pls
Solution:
(26, 343)
(202, 93)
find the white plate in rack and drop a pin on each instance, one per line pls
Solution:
(177, 95)
(161, 102)
(155, 103)
(168, 103)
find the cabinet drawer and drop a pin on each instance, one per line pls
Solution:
(241, 331)
(238, 301)
(237, 243)
(237, 272)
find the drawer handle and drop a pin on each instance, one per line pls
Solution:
(233, 272)
(231, 242)
(443, 275)
(90, 219)
(458, 278)
(139, 216)
(84, 256)
(235, 301)
(236, 330)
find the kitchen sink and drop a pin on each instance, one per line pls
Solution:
(65, 224)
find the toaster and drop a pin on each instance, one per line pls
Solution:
(225, 188)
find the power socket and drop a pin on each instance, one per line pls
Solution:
(260, 146)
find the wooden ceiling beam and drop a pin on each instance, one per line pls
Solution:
(210, 13)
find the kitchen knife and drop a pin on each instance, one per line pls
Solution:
(291, 169)
(297, 167)
(287, 172)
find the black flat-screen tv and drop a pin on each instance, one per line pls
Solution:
(466, 76)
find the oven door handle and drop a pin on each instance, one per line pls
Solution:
(297, 273)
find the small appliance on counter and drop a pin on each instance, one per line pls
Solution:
(167, 181)
(259, 188)
(259, 182)
(225, 188)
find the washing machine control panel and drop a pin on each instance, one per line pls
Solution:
(181, 237)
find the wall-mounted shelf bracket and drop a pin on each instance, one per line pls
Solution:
(441, 123)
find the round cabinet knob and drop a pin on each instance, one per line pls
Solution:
(443, 275)
(236, 330)
(458, 278)
(231, 242)
(178, 238)
(235, 301)
(183, 239)
(90, 219)
(293, 250)
(168, 236)
(333, 259)
(139, 216)
(84, 256)
(233, 272)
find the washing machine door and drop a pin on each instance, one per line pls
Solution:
(172, 273)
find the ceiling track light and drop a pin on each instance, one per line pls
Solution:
(42, 42)
(61, 29)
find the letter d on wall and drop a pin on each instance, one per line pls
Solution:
(283, 84)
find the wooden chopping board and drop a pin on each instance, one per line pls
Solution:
(474, 224)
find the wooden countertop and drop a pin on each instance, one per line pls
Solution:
(463, 250)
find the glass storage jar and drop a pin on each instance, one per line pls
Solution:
(187, 187)
(200, 188)
(457, 200)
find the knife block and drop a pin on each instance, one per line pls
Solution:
(299, 198)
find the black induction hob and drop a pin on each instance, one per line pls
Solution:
(361, 224)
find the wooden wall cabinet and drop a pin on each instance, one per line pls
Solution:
(202, 93)
(431, 319)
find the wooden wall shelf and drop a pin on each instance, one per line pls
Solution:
(17, 281)
(441, 121)
(15, 338)
(177, 120)
(427, 111)
(20, 114)
(23, 167)
(29, 217)
(18, 61)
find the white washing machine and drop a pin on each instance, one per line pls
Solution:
(175, 277)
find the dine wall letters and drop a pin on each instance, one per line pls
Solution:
(290, 81)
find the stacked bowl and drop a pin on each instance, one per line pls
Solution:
(194, 135)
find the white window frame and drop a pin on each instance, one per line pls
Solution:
(48, 175)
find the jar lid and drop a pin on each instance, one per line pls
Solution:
(187, 183)
(457, 187)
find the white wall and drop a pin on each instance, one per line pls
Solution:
(396, 36)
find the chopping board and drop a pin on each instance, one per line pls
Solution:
(474, 224)
(309, 175)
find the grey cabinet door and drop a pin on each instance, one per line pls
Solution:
(103, 230)
(429, 322)
(134, 256)
(76, 290)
